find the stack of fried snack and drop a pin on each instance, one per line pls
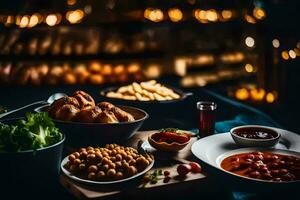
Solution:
(144, 91)
(81, 107)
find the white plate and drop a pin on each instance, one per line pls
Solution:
(75, 178)
(213, 149)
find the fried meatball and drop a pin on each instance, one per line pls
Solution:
(67, 112)
(57, 104)
(87, 115)
(106, 117)
(84, 99)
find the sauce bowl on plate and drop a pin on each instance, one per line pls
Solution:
(254, 136)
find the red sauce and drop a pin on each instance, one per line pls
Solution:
(264, 165)
(255, 133)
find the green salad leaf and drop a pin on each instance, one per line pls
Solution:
(36, 131)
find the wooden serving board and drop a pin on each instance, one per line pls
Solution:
(136, 188)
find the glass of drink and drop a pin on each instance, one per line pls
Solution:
(207, 116)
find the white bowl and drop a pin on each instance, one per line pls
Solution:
(249, 142)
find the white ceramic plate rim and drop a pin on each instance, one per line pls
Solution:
(71, 176)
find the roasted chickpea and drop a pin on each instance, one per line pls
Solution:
(105, 160)
(91, 152)
(89, 148)
(93, 168)
(82, 149)
(125, 165)
(118, 164)
(131, 171)
(83, 154)
(105, 154)
(91, 157)
(111, 146)
(99, 155)
(112, 165)
(113, 152)
(113, 159)
(92, 176)
(72, 157)
(132, 162)
(73, 169)
(119, 175)
(82, 166)
(105, 167)
(128, 158)
(76, 161)
(111, 173)
(118, 157)
(76, 154)
(100, 175)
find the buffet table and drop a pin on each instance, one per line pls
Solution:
(205, 185)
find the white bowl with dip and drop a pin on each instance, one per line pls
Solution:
(254, 136)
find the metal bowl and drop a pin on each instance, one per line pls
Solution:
(29, 170)
(96, 134)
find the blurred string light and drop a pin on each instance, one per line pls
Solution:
(175, 14)
(227, 14)
(249, 68)
(71, 2)
(259, 13)
(255, 94)
(74, 16)
(51, 20)
(250, 19)
(24, 21)
(285, 55)
(249, 41)
(242, 94)
(154, 14)
(292, 54)
(9, 20)
(270, 97)
(275, 43)
(34, 20)
(88, 9)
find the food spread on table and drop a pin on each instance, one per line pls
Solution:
(34, 132)
(81, 107)
(144, 91)
(264, 165)
(109, 163)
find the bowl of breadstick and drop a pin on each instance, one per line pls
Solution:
(146, 92)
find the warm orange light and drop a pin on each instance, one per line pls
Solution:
(249, 68)
(34, 20)
(270, 97)
(292, 54)
(152, 71)
(285, 55)
(250, 19)
(259, 13)
(249, 41)
(51, 19)
(257, 94)
(155, 15)
(211, 15)
(75, 16)
(71, 2)
(175, 14)
(242, 94)
(9, 20)
(227, 14)
(24, 21)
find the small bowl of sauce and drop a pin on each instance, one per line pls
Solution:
(254, 136)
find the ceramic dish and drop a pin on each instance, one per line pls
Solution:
(261, 141)
(85, 181)
(213, 149)
(83, 134)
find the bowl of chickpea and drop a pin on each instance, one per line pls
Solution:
(110, 164)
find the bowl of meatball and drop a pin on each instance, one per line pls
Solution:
(88, 123)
